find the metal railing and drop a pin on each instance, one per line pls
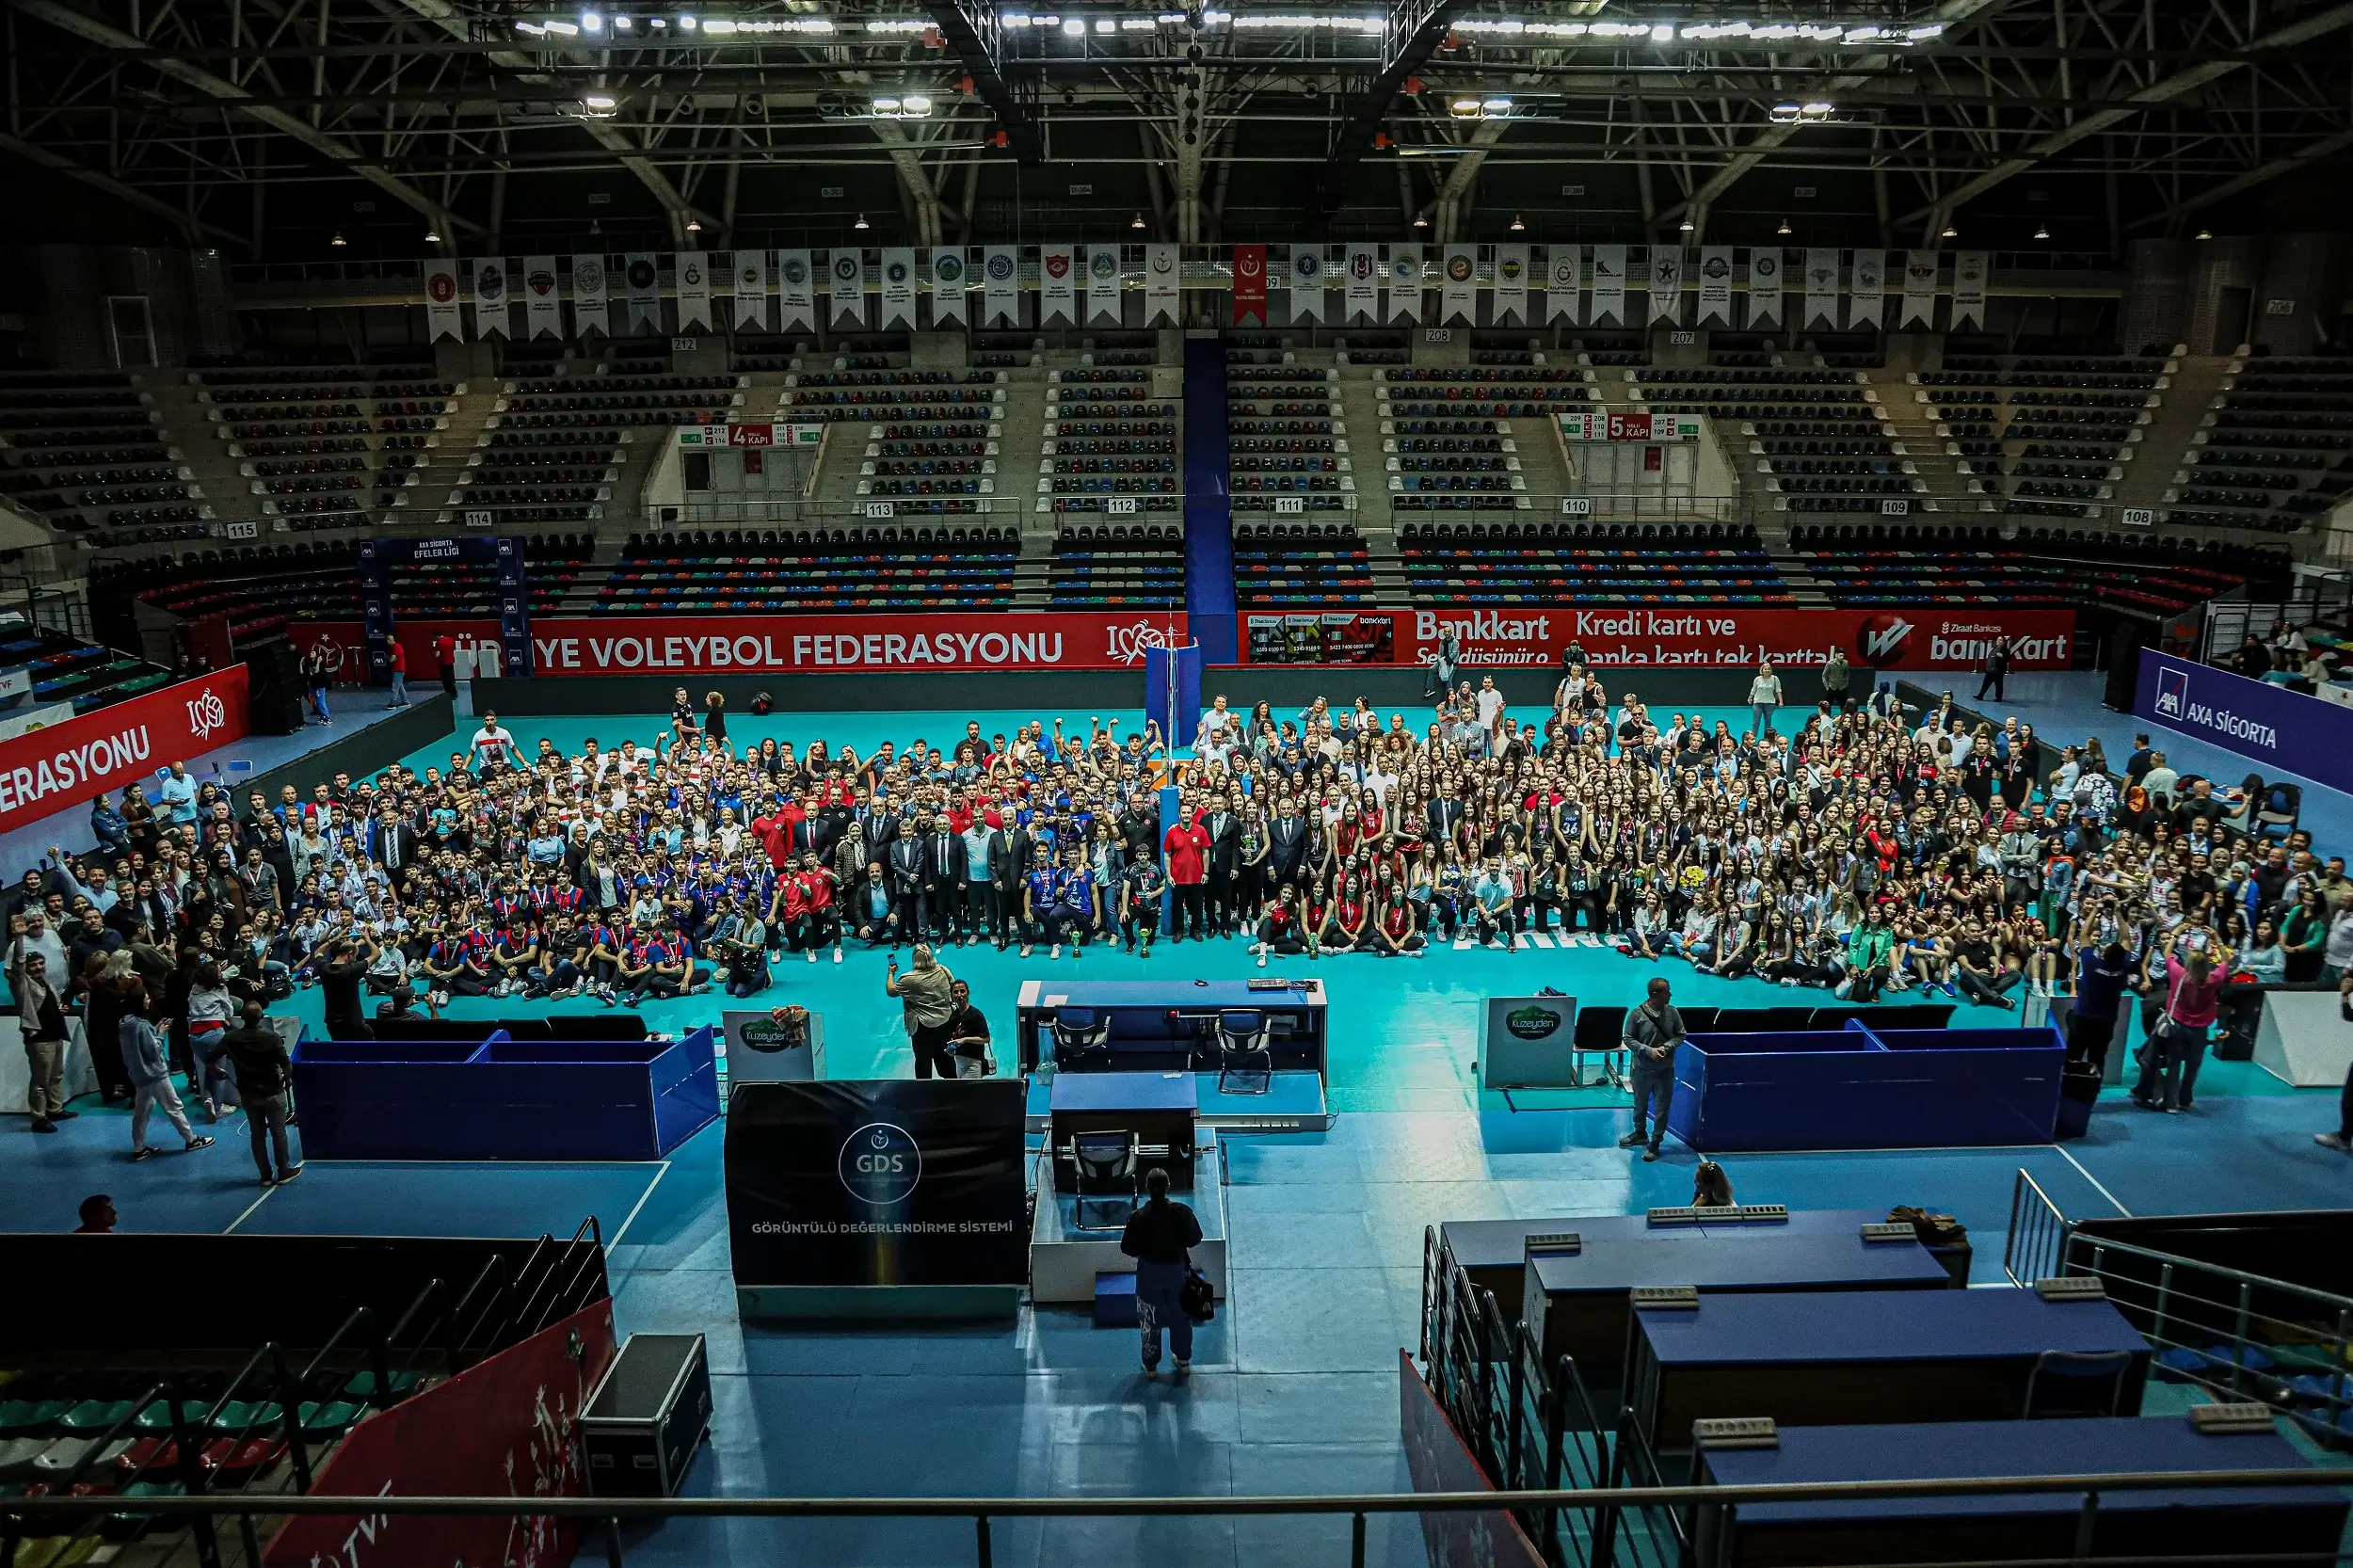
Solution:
(604, 1516)
(2230, 619)
(2237, 1335)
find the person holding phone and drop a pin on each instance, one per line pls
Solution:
(1158, 1236)
(2193, 975)
(927, 995)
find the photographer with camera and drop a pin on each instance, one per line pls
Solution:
(739, 948)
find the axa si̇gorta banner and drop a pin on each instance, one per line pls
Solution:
(797, 644)
(2253, 718)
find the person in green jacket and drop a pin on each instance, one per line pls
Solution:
(1868, 947)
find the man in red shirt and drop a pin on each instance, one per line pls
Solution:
(774, 828)
(446, 655)
(1187, 846)
(397, 657)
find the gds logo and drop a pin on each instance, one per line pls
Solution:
(206, 714)
(880, 1164)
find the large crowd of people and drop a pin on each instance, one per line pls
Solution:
(1852, 847)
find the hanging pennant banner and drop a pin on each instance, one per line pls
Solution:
(1363, 295)
(1563, 282)
(1972, 277)
(1666, 283)
(1715, 284)
(1919, 288)
(489, 297)
(1458, 294)
(645, 292)
(1609, 285)
(898, 287)
(751, 291)
(946, 284)
(1511, 284)
(1307, 277)
(1056, 285)
(845, 273)
(543, 301)
(1870, 289)
(1164, 284)
(1405, 282)
(444, 317)
(1250, 284)
(588, 297)
(1000, 286)
(797, 291)
(1765, 287)
(1105, 275)
(1821, 288)
(694, 290)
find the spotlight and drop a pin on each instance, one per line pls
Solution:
(1519, 225)
(600, 100)
(861, 222)
(590, 21)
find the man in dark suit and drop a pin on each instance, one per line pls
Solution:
(1287, 846)
(1009, 849)
(1445, 817)
(943, 880)
(1225, 831)
(908, 876)
(391, 842)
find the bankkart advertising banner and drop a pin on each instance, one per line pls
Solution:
(911, 1182)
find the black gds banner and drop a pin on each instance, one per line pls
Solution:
(907, 1182)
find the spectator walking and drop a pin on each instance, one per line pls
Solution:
(143, 1055)
(264, 1073)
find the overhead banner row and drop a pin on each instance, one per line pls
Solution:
(1575, 285)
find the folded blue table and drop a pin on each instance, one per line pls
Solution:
(1578, 1303)
(1857, 1088)
(502, 1099)
(1837, 1358)
(1162, 1025)
(2170, 1522)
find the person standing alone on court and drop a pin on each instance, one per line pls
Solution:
(1996, 669)
(1158, 1237)
(1653, 1030)
(264, 1073)
(1764, 696)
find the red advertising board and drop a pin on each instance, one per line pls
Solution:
(797, 644)
(69, 763)
(504, 1427)
(1908, 637)
(1438, 1462)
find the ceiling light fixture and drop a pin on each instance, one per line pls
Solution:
(1138, 222)
(590, 21)
(1948, 231)
(693, 225)
(2043, 230)
(338, 239)
(1687, 226)
(2206, 233)
(432, 234)
(861, 222)
(1420, 222)
(1519, 225)
(1784, 227)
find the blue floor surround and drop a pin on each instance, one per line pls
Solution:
(1295, 1387)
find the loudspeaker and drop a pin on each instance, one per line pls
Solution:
(274, 687)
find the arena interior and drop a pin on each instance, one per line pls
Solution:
(818, 784)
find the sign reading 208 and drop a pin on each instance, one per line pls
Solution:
(880, 1164)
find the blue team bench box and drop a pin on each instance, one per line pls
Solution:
(1856, 1088)
(503, 1098)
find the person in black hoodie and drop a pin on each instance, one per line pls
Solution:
(1158, 1237)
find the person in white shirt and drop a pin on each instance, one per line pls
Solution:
(1490, 704)
(176, 795)
(493, 744)
(1764, 696)
(2160, 780)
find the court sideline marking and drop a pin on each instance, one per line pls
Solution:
(268, 1193)
(659, 1171)
(2097, 1185)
